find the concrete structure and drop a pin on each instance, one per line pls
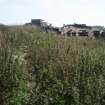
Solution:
(70, 29)
(82, 30)
(37, 23)
(75, 30)
(45, 27)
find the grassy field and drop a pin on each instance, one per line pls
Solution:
(45, 69)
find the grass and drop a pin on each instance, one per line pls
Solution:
(46, 69)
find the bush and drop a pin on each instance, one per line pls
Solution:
(13, 89)
(67, 72)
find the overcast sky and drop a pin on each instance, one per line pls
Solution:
(57, 12)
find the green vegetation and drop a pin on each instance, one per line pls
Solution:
(45, 69)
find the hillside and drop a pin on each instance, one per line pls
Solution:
(47, 69)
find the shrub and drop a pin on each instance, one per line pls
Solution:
(13, 89)
(67, 72)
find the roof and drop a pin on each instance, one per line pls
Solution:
(37, 20)
(79, 26)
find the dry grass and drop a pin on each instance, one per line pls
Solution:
(64, 70)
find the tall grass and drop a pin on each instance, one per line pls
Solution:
(13, 89)
(67, 71)
(46, 69)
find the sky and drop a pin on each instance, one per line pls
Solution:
(57, 12)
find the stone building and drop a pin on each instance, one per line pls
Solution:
(81, 30)
(37, 23)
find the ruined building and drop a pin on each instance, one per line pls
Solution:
(70, 29)
(82, 30)
(37, 23)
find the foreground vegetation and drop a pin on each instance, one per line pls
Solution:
(45, 69)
